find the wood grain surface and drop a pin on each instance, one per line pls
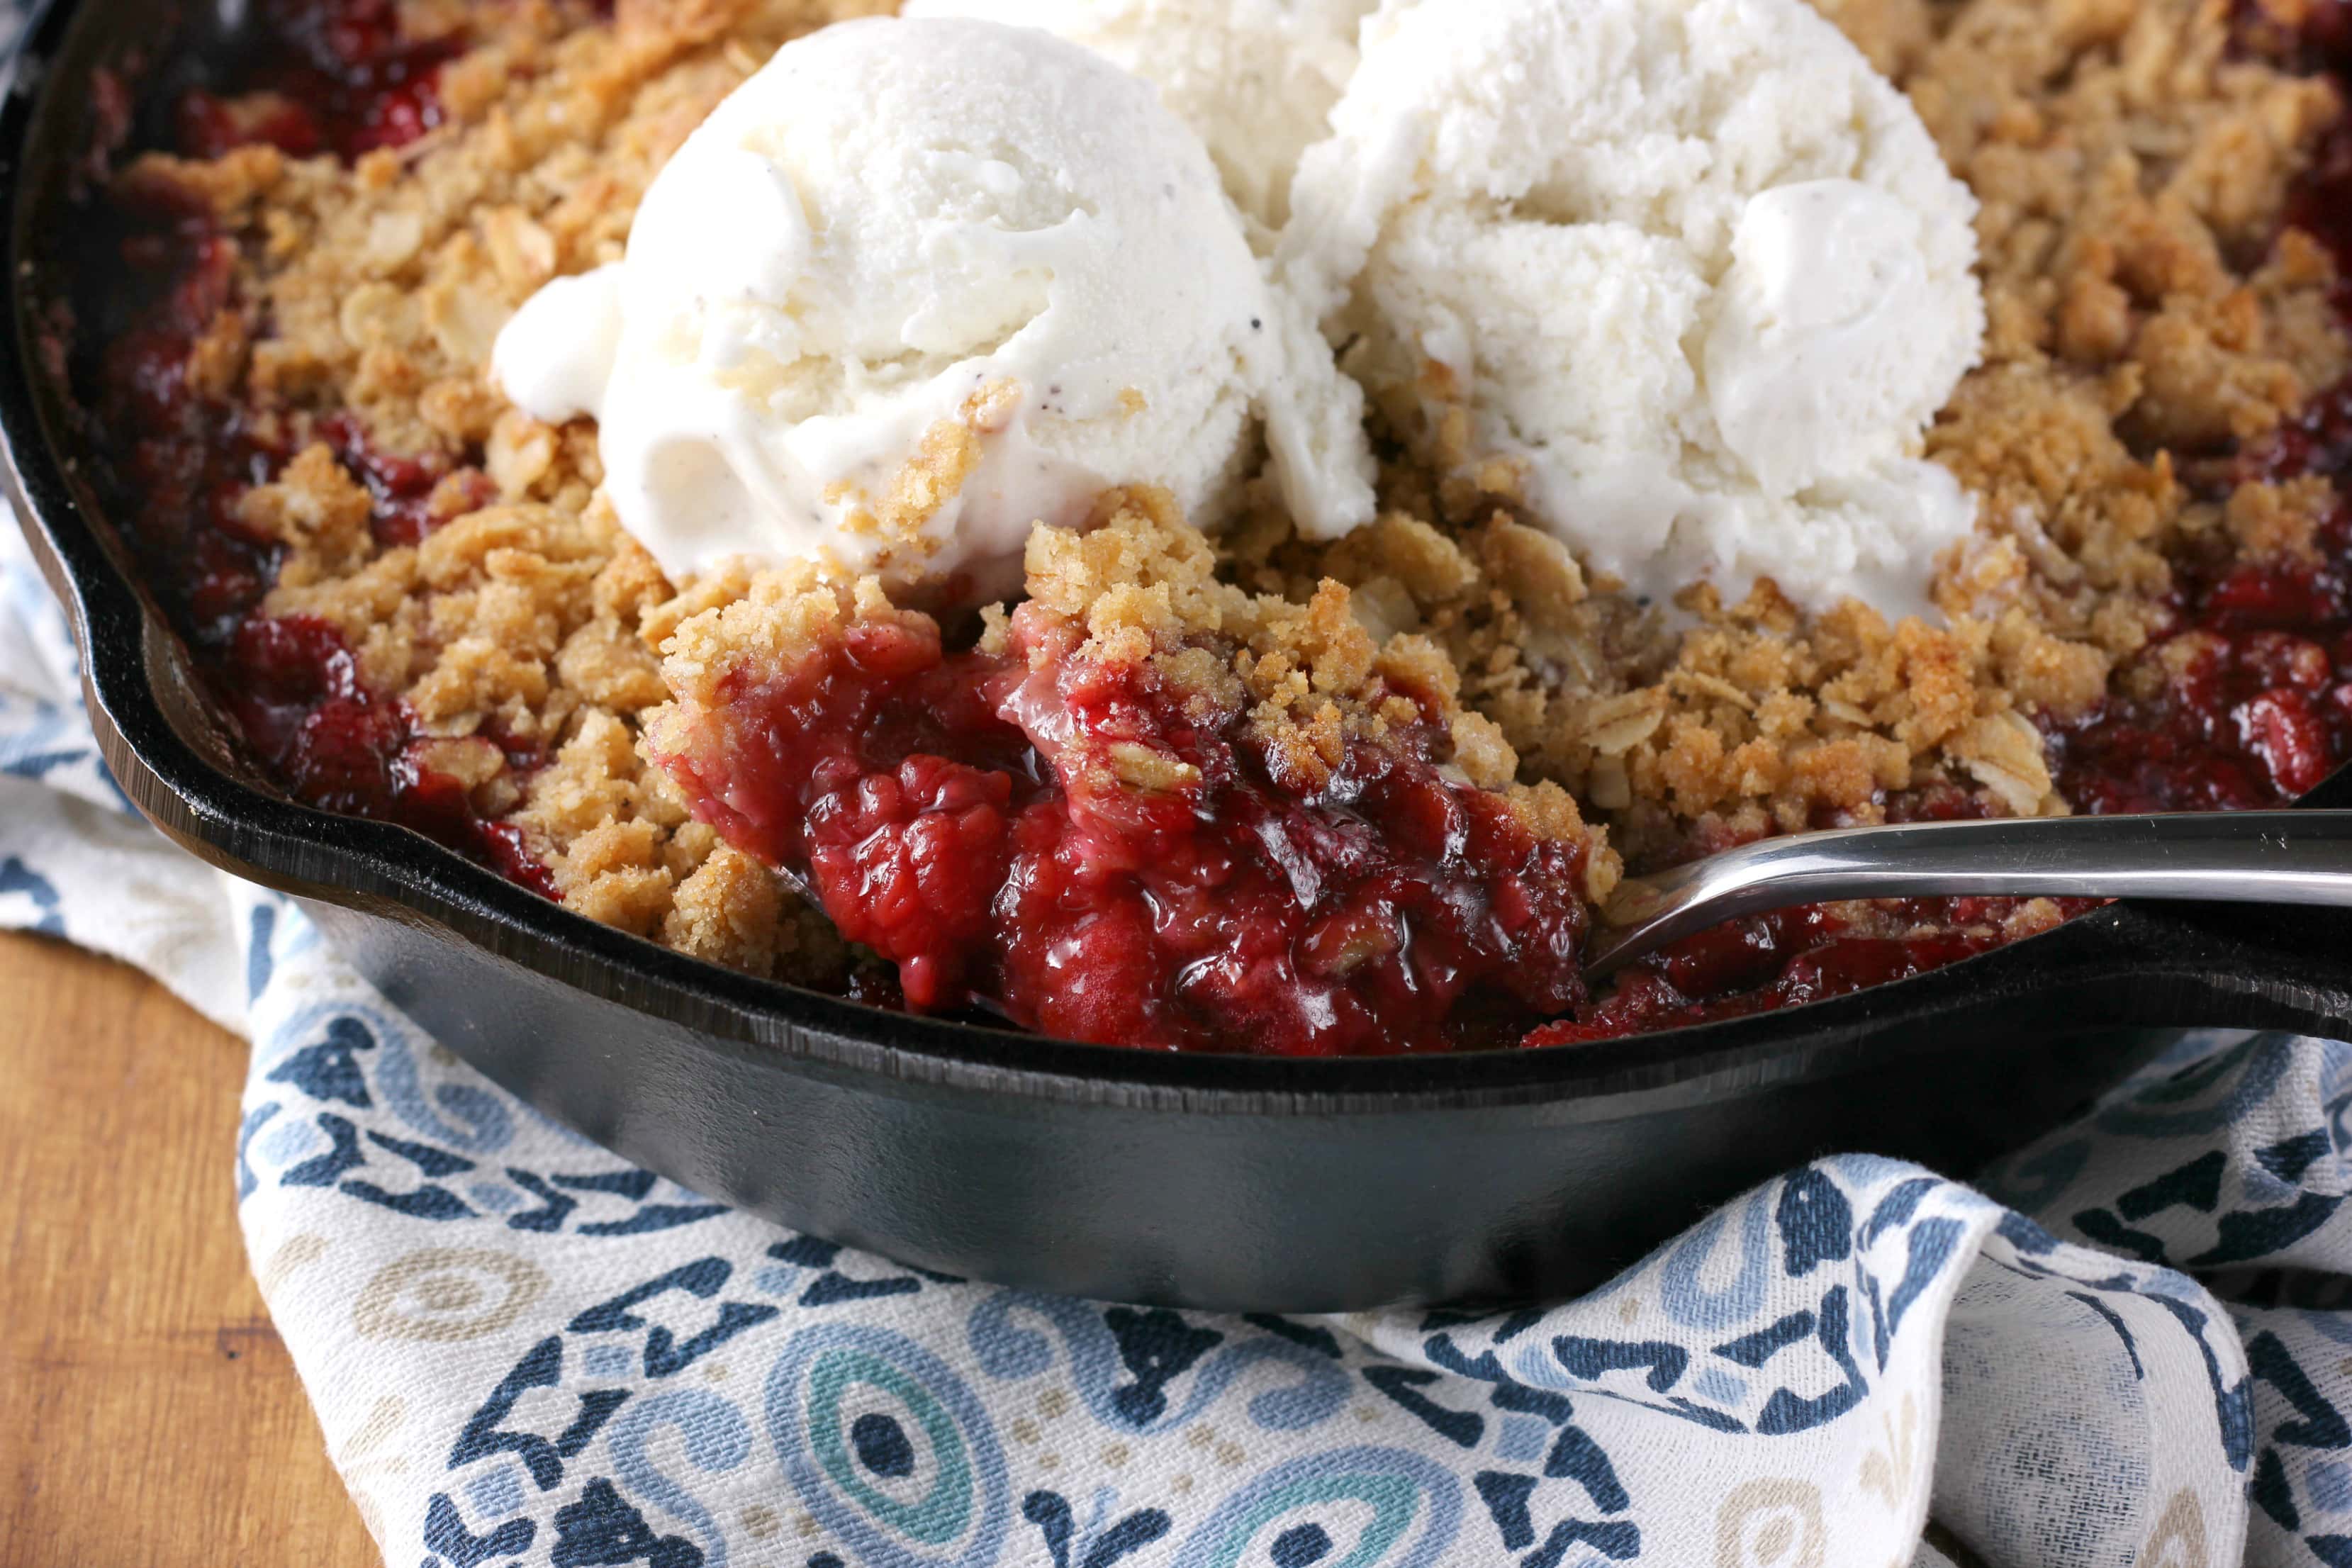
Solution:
(150, 1416)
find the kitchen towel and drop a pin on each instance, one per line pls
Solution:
(521, 1349)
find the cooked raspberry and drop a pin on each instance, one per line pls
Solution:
(909, 862)
(398, 115)
(341, 755)
(2281, 728)
(293, 660)
(2256, 597)
(209, 125)
(2239, 720)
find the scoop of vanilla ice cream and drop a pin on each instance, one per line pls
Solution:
(1692, 263)
(917, 285)
(1254, 77)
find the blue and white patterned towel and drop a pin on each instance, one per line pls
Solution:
(521, 1349)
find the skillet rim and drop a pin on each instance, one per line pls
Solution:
(389, 871)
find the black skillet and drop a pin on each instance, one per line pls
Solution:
(1221, 1183)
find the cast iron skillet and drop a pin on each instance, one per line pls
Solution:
(1215, 1182)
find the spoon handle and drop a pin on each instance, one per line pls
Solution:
(2247, 857)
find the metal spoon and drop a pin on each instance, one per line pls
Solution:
(2249, 857)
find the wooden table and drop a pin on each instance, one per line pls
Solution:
(150, 1416)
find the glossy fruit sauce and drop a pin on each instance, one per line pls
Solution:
(1384, 908)
(321, 76)
(1079, 847)
(315, 76)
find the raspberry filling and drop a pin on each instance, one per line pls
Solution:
(331, 76)
(295, 688)
(1088, 850)
(2255, 707)
(321, 75)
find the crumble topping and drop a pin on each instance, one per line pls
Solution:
(1148, 807)
(1143, 588)
(2149, 320)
